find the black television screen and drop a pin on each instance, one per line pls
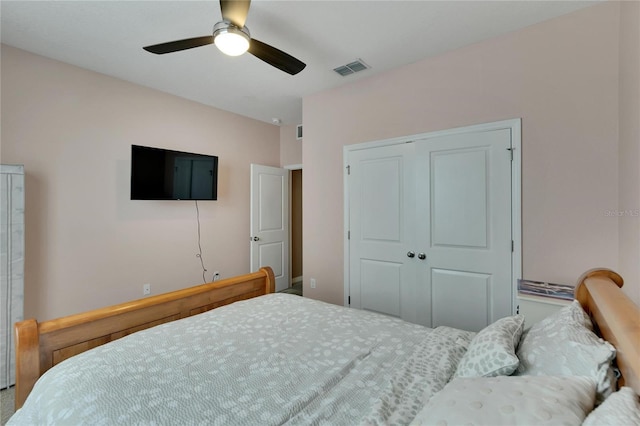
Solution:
(161, 174)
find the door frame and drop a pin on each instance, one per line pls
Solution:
(515, 127)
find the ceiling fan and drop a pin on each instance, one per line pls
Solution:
(233, 38)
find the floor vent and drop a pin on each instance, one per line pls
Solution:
(351, 68)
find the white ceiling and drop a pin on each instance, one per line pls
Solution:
(108, 36)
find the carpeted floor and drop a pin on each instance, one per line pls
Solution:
(6, 404)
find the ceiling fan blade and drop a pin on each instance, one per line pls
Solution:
(235, 11)
(275, 57)
(175, 46)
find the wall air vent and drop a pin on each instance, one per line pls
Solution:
(351, 68)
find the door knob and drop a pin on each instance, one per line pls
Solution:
(255, 239)
(422, 256)
(411, 254)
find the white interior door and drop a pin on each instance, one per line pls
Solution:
(382, 277)
(269, 221)
(464, 230)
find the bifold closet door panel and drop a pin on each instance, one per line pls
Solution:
(12, 265)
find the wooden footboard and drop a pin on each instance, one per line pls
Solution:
(616, 317)
(40, 346)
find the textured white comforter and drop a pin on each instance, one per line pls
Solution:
(270, 360)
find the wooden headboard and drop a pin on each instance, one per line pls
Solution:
(40, 346)
(616, 317)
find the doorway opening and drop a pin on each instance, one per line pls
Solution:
(296, 230)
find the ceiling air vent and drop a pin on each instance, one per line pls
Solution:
(351, 68)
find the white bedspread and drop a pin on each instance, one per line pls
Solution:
(270, 360)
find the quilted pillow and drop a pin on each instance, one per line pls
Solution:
(622, 408)
(510, 400)
(564, 345)
(492, 350)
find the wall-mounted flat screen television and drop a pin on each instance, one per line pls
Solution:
(162, 174)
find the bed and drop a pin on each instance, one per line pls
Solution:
(267, 358)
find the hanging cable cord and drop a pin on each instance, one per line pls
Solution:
(199, 254)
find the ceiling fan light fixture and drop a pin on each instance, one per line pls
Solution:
(231, 40)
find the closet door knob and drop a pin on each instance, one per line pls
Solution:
(422, 256)
(411, 254)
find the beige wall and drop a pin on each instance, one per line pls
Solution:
(290, 147)
(560, 77)
(629, 204)
(87, 244)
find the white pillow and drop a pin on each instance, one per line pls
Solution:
(622, 408)
(492, 351)
(510, 400)
(564, 345)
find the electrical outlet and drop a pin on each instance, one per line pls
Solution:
(146, 289)
(216, 276)
(312, 282)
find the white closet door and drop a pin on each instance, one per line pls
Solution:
(464, 229)
(382, 277)
(430, 227)
(12, 261)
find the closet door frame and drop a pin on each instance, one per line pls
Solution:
(515, 127)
